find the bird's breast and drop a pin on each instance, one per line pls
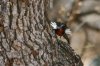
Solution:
(59, 32)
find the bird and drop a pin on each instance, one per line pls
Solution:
(61, 30)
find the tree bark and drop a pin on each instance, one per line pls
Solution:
(25, 38)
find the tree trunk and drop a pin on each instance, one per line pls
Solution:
(25, 35)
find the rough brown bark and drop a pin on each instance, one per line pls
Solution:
(25, 35)
(24, 38)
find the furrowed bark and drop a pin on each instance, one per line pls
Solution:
(25, 38)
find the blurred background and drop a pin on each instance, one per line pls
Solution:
(83, 18)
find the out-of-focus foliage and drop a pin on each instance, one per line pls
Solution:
(95, 62)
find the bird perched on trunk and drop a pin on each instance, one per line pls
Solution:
(61, 30)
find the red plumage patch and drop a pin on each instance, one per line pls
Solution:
(59, 32)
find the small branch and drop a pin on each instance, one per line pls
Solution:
(73, 13)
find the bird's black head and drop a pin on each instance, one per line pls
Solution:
(61, 25)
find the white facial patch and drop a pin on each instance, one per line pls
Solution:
(54, 25)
